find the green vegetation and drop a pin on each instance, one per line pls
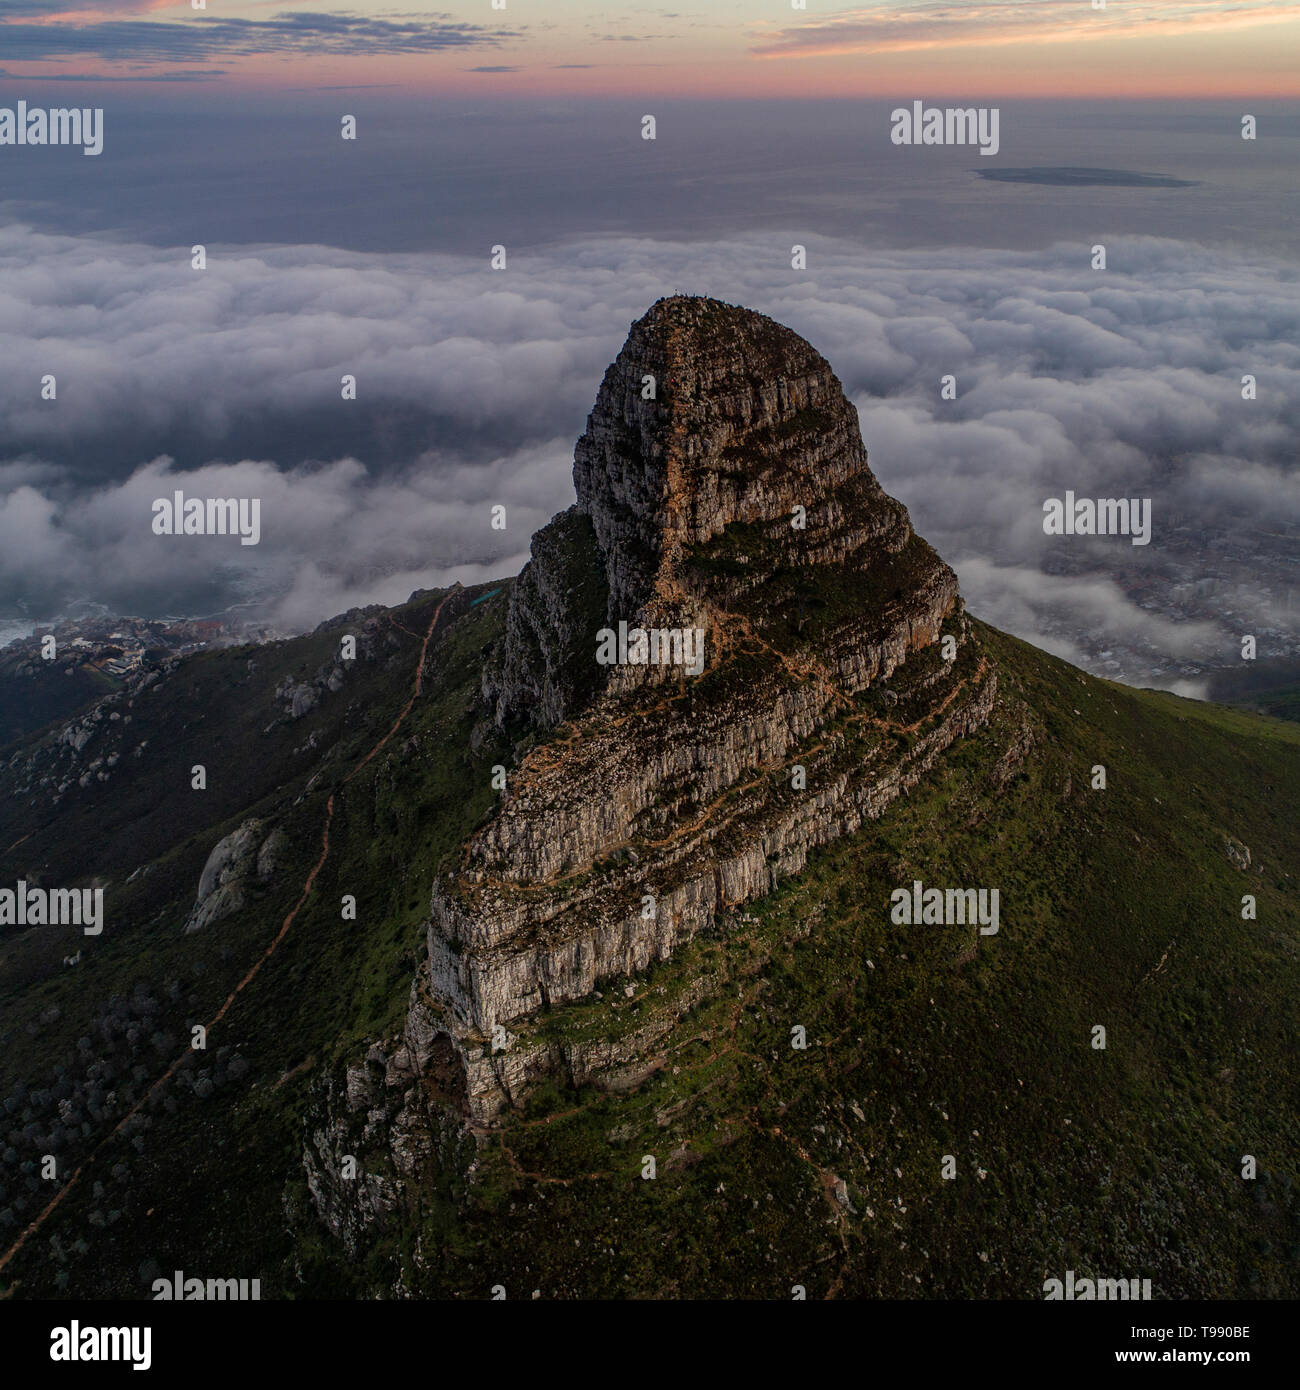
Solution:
(1118, 907)
(213, 1163)
(1269, 686)
(796, 603)
(52, 690)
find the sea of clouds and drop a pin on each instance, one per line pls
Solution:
(473, 385)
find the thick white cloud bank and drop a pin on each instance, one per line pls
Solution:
(473, 385)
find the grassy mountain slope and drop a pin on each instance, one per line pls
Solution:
(32, 693)
(210, 1160)
(1119, 907)
(775, 1166)
(1268, 687)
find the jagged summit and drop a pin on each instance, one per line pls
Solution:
(746, 420)
(724, 498)
(721, 459)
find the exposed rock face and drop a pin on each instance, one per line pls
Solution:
(686, 503)
(235, 862)
(558, 603)
(734, 499)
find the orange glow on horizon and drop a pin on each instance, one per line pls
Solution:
(1208, 54)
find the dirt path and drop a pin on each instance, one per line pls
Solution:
(67, 1187)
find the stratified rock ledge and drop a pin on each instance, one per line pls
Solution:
(723, 486)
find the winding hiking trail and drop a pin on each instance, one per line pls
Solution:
(36, 1224)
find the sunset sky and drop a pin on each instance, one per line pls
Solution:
(1160, 48)
(522, 127)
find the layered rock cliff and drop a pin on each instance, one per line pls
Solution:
(723, 491)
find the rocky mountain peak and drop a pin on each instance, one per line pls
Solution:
(723, 494)
(710, 415)
(720, 455)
